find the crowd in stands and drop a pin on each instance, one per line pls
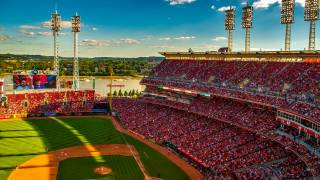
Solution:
(280, 84)
(270, 75)
(216, 140)
(233, 133)
(64, 102)
(245, 116)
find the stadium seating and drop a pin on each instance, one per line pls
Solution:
(231, 131)
(279, 84)
(215, 140)
(36, 103)
(242, 98)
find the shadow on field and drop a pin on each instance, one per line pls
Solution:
(39, 136)
(58, 133)
(23, 140)
(102, 131)
(17, 144)
(54, 134)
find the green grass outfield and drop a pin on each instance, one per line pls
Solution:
(124, 168)
(23, 140)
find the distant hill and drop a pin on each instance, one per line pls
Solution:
(40, 57)
(97, 66)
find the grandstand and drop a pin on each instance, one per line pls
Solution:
(234, 115)
(230, 115)
(48, 103)
(250, 115)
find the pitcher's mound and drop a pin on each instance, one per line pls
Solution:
(103, 170)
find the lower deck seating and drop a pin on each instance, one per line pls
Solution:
(222, 148)
(49, 102)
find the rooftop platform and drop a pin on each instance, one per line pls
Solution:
(285, 56)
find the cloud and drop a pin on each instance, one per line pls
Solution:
(177, 38)
(29, 27)
(185, 38)
(244, 3)
(176, 2)
(64, 24)
(213, 7)
(224, 8)
(27, 33)
(302, 3)
(94, 29)
(31, 33)
(93, 42)
(44, 33)
(4, 37)
(105, 43)
(219, 39)
(128, 41)
(265, 4)
(165, 39)
(46, 24)
(50, 33)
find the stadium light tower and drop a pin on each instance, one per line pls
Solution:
(311, 14)
(56, 27)
(75, 30)
(287, 18)
(230, 26)
(247, 24)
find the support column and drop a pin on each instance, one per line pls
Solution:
(312, 36)
(76, 63)
(56, 59)
(230, 39)
(247, 43)
(288, 38)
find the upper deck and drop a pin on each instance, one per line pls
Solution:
(279, 56)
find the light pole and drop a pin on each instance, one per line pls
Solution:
(311, 14)
(230, 26)
(75, 29)
(287, 18)
(247, 24)
(55, 27)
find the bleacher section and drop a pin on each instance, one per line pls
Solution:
(226, 117)
(227, 138)
(36, 103)
(279, 84)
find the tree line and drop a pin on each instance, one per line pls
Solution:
(87, 66)
(132, 93)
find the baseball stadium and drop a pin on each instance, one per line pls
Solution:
(221, 114)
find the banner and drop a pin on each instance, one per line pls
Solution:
(27, 82)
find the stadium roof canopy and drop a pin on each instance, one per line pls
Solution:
(298, 56)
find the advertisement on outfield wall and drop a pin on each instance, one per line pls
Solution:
(26, 81)
(5, 116)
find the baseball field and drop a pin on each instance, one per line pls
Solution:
(78, 146)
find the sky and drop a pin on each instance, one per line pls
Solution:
(134, 28)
